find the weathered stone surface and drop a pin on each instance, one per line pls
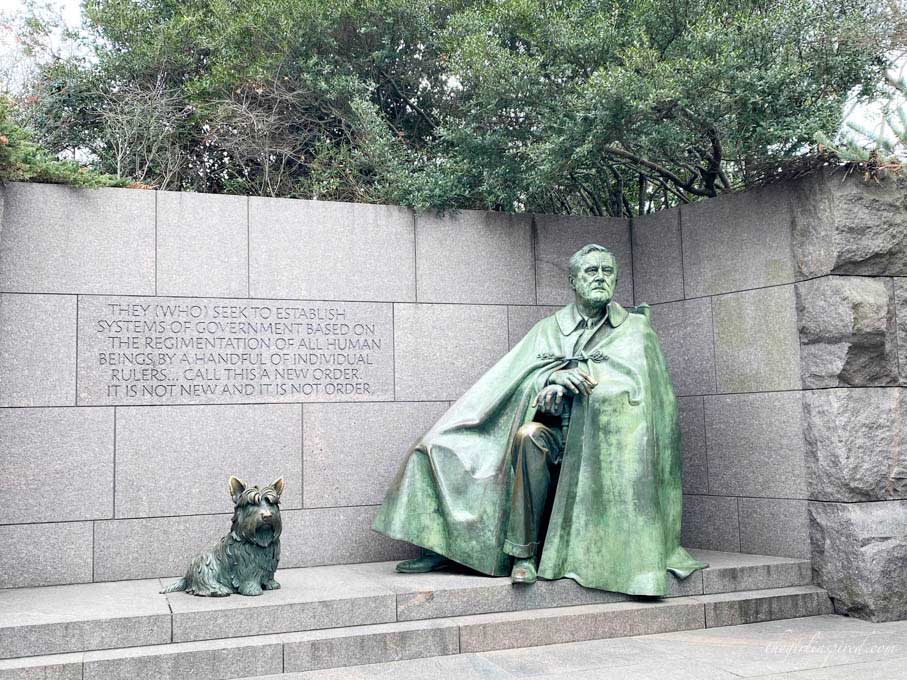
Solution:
(859, 551)
(692, 432)
(657, 257)
(441, 350)
(774, 526)
(486, 632)
(847, 331)
(470, 256)
(738, 241)
(757, 348)
(55, 667)
(320, 250)
(731, 572)
(312, 538)
(248, 656)
(559, 236)
(521, 319)
(856, 443)
(846, 225)
(64, 456)
(685, 332)
(75, 618)
(354, 466)
(64, 555)
(734, 609)
(710, 522)
(202, 244)
(197, 448)
(319, 597)
(900, 296)
(59, 239)
(37, 350)
(369, 644)
(755, 445)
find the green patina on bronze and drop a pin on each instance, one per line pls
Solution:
(615, 519)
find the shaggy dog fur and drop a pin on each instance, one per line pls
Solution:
(243, 561)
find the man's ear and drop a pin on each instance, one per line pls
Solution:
(277, 485)
(236, 487)
(572, 281)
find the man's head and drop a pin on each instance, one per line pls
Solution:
(593, 275)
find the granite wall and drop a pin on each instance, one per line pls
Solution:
(778, 310)
(154, 343)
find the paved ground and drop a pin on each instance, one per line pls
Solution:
(814, 648)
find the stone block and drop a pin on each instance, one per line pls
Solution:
(202, 244)
(844, 224)
(856, 443)
(75, 618)
(757, 348)
(734, 609)
(685, 332)
(900, 297)
(848, 333)
(64, 456)
(320, 250)
(755, 445)
(692, 432)
(336, 536)
(859, 551)
(657, 257)
(354, 466)
(137, 351)
(37, 350)
(601, 659)
(369, 644)
(738, 241)
(521, 319)
(774, 526)
(45, 554)
(55, 667)
(195, 449)
(59, 239)
(131, 548)
(560, 236)
(251, 656)
(732, 572)
(485, 632)
(320, 597)
(470, 256)
(440, 350)
(710, 522)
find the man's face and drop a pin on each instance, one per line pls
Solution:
(594, 282)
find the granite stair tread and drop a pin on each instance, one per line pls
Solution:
(267, 654)
(88, 617)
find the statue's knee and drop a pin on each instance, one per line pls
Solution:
(529, 431)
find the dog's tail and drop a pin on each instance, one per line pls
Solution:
(177, 587)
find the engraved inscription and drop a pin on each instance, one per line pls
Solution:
(188, 350)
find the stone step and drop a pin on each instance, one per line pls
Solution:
(270, 654)
(89, 617)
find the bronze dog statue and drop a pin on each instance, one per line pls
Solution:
(243, 561)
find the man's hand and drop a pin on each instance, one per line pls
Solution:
(573, 379)
(550, 400)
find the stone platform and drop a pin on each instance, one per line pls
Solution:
(330, 617)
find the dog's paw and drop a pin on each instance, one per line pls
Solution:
(250, 589)
(271, 585)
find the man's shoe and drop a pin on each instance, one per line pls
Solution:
(427, 561)
(523, 571)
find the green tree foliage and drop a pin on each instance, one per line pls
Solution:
(580, 106)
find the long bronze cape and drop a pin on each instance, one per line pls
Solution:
(615, 522)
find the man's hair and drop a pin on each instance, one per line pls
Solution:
(577, 257)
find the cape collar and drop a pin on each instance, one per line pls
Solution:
(569, 317)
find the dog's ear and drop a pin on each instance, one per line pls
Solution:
(236, 487)
(277, 485)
